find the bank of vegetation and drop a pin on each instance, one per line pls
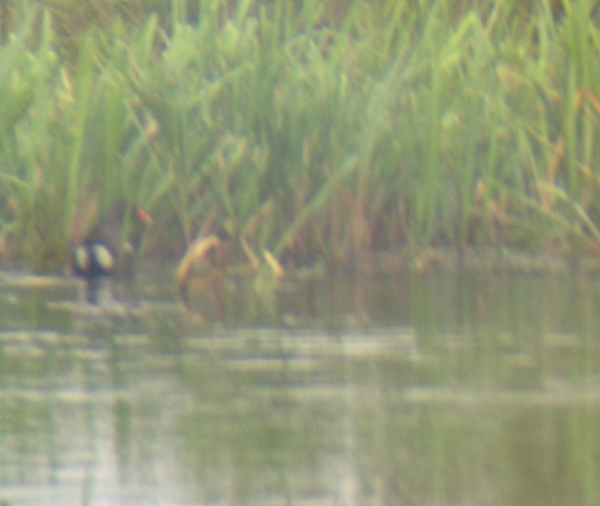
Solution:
(314, 131)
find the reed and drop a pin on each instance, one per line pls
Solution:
(307, 131)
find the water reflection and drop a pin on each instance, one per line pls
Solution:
(447, 390)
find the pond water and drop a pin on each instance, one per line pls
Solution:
(445, 389)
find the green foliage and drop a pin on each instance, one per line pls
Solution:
(314, 129)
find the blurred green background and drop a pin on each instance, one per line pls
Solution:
(316, 131)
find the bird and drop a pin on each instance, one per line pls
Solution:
(109, 248)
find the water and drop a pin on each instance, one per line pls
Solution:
(409, 390)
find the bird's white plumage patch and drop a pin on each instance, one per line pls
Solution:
(103, 256)
(82, 258)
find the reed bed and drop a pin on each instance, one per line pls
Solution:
(311, 131)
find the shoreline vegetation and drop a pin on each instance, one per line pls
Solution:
(305, 133)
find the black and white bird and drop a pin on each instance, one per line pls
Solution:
(110, 248)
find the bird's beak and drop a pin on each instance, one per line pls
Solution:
(143, 216)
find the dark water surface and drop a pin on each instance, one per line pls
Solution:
(411, 390)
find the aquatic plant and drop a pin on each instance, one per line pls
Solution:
(321, 130)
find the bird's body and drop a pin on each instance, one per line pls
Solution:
(92, 258)
(110, 247)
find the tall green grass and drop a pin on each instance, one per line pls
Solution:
(314, 130)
